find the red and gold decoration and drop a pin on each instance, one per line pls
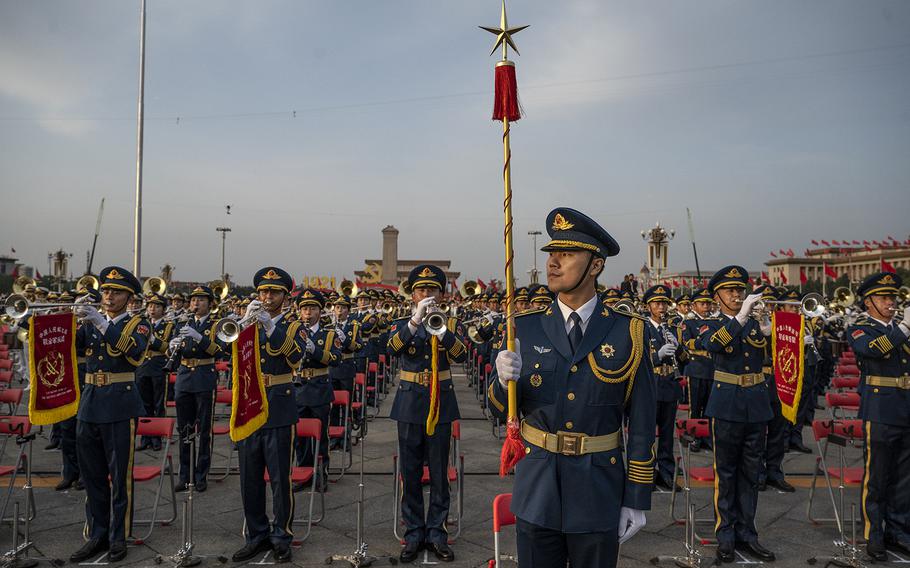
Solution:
(507, 110)
(788, 330)
(433, 414)
(53, 379)
(249, 404)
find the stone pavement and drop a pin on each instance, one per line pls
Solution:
(57, 530)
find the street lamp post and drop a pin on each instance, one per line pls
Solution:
(534, 273)
(224, 231)
(658, 239)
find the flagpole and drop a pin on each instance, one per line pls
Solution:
(137, 227)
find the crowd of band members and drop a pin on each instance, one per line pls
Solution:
(319, 341)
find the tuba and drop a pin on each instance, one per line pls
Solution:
(154, 285)
(347, 288)
(220, 289)
(86, 283)
(404, 289)
(469, 289)
(23, 282)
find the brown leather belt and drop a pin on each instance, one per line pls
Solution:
(104, 379)
(423, 377)
(274, 380)
(312, 373)
(569, 443)
(193, 363)
(745, 380)
(902, 382)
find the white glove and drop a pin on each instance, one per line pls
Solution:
(489, 318)
(188, 331)
(746, 310)
(93, 316)
(508, 365)
(906, 321)
(630, 522)
(310, 346)
(254, 305)
(175, 344)
(421, 313)
(265, 320)
(667, 350)
(808, 339)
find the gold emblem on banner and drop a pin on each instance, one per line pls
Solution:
(536, 380)
(787, 365)
(51, 369)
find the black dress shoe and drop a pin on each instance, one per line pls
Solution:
(201, 486)
(757, 550)
(442, 551)
(876, 552)
(118, 552)
(664, 483)
(901, 546)
(800, 447)
(282, 553)
(409, 552)
(725, 553)
(65, 484)
(762, 485)
(180, 488)
(251, 549)
(781, 485)
(54, 445)
(78, 485)
(89, 549)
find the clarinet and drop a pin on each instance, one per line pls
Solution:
(668, 337)
(173, 360)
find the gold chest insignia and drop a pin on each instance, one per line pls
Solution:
(607, 350)
(412, 350)
(536, 380)
(605, 313)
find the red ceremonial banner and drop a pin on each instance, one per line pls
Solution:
(53, 377)
(788, 330)
(249, 404)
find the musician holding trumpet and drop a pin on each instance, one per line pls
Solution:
(880, 339)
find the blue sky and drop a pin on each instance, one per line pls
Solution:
(775, 122)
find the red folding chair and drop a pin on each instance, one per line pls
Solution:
(502, 517)
(161, 428)
(6, 364)
(839, 403)
(687, 431)
(11, 397)
(222, 427)
(311, 429)
(841, 433)
(343, 433)
(455, 475)
(6, 379)
(18, 429)
(684, 383)
(382, 374)
(172, 381)
(366, 393)
(847, 370)
(845, 383)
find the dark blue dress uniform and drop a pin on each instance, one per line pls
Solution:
(343, 374)
(272, 446)
(699, 368)
(778, 435)
(108, 408)
(312, 386)
(410, 410)
(151, 378)
(883, 354)
(571, 484)
(668, 390)
(740, 405)
(194, 391)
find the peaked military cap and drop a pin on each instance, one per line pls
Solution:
(202, 292)
(573, 230)
(684, 299)
(541, 293)
(791, 295)
(881, 284)
(702, 295)
(732, 276)
(522, 294)
(427, 276)
(155, 299)
(118, 278)
(311, 297)
(657, 293)
(343, 300)
(273, 278)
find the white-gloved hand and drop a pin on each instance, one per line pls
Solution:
(666, 350)
(808, 339)
(746, 310)
(93, 316)
(265, 320)
(630, 522)
(508, 365)
(905, 323)
(174, 344)
(489, 318)
(188, 331)
(254, 305)
(310, 346)
(421, 311)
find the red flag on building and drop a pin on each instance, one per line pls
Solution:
(764, 276)
(856, 242)
(481, 283)
(826, 243)
(772, 254)
(807, 252)
(888, 267)
(814, 242)
(803, 279)
(782, 251)
(830, 271)
(676, 283)
(836, 243)
(876, 243)
(783, 277)
(867, 243)
(868, 248)
(790, 253)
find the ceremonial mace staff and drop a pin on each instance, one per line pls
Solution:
(506, 109)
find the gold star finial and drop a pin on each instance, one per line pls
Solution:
(504, 34)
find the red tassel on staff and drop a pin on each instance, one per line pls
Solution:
(505, 103)
(512, 448)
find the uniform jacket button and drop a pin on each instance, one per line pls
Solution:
(571, 396)
(574, 368)
(569, 425)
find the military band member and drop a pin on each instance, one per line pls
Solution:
(880, 340)
(312, 386)
(411, 340)
(114, 345)
(740, 407)
(664, 342)
(522, 300)
(684, 306)
(699, 368)
(348, 332)
(581, 371)
(540, 297)
(271, 448)
(151, 378)
(194, 391)
(178, 303)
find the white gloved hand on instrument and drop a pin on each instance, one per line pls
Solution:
(508, 365)
(746, 310)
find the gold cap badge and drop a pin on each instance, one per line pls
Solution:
(426, 273)
(887, 279)
(271, 275)
(734, 273)
(308, 294)
(560, 223)
(114, 274)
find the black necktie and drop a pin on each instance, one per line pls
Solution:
(575, 332)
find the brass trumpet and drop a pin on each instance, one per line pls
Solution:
(435, 321)
(17, 305)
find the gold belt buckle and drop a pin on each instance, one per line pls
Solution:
(424, 378)
(568, 443)
(747, 380)
(306, 373)
(100, 379)
(266, 380)
(903, 382)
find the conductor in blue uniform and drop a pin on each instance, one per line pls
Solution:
(582, 371)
